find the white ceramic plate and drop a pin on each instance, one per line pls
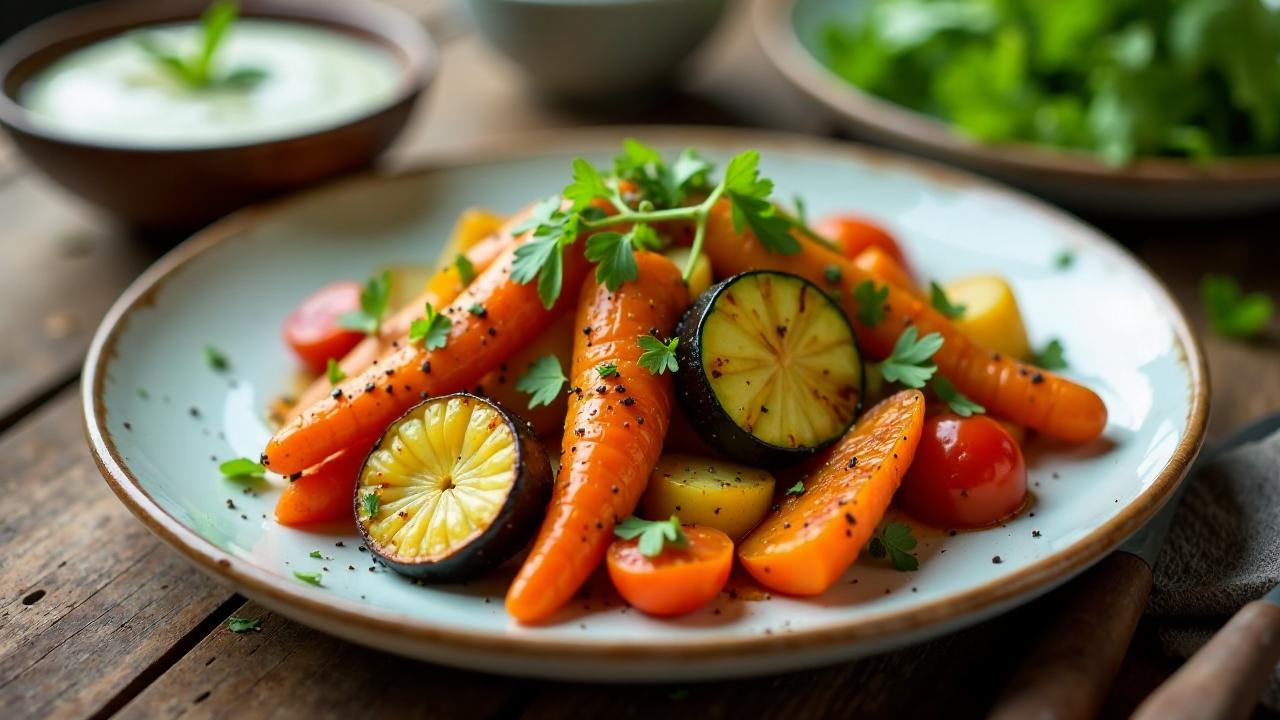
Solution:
(231, 285)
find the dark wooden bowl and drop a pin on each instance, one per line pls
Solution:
(175, 190)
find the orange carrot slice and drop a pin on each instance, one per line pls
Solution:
(806, 546)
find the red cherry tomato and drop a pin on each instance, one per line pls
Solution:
(678, 581)
(967, 473)
(312, 329)
(854, 234)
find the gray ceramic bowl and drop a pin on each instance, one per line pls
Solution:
(790, 31)
(175, 190)
(583, 49)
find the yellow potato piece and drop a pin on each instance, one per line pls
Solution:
(472, 226)
(701, 490)
(701, 278)
(991, 317)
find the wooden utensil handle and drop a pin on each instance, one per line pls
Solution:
(1067, 674)
(1225, 678)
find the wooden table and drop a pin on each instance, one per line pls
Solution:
(97, 618)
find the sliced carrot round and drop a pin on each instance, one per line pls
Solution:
(815, 536)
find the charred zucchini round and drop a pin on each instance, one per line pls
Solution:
(770, 370)
(455, 487)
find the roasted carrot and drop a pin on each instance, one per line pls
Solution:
(323, 493)
(1007, 388)
(877, 263)
(815, 536)
(612, 437)
(362, 406)
(441, 290)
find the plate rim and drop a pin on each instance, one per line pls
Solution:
(881, 627)
(774, 26)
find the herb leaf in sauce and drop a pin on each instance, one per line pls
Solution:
(196, 71)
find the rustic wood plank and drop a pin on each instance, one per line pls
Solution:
(61, 267)
(91, 602)
(291, 671)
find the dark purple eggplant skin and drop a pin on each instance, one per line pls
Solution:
(698, 401)
(515, 525)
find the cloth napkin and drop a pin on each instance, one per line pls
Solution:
(1223, 550)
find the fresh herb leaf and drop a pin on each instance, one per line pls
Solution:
(477, 309)
(237, 624)
(909, 363)
(587, 185)
(543, 381)
(196, 71)
(690, 173)
(871, 301)
(797, 489)
(432, 329)
(542, 257)
(607, 369)
(833, 275)
(216, 358)
(242, 468)
(802, 212)
(960, 405)
(466, 271)
(896, 541)
(334, 372)
(369, 503)
(1064, 260)
(616, 262)
(311, 578)
(940, 302)
(315, 555)
(1231, 312)
(373, 305)
(653, 534)
(658, 357)
(748, 194)
(1051, 357)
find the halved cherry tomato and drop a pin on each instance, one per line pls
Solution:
(853, 234)
(312, 329)
(678, 581)
(967, 473)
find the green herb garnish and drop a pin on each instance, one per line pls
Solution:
(608, 369)
(896, 542)
(315, 555)
(832, 274)
(432, 329)
(797, 489)
(543, 381)
(653, 534)
(373, 306)
(311, 578)
(334, 372)
(466, 271)
(1231, 312)
(242, 468)
(658, 357)
(959, 403)
(478, 310)
(661, 189)
(938, 298)
(909, 363)
(216, 358)
(197, 70)
(870, 300)
(1064, 260)
(1051, 357)
(369, 503)
(238, 624)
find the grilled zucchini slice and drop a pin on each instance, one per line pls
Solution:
(455, 487)
(770, 370)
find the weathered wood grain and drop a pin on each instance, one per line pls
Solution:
(91, 604)
(287, 670)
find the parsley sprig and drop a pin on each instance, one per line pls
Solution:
(653, 534)
(938, 298)
(957, 401)
(896, 542)
(557, 222)
(1052, 357)
(870, 300)
(197, 70)
(374, 299)
(658, 357)
(543, 381)
(432, 329)
(910, 363)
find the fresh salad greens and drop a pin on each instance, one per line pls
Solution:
(198, 70)
(1119, 78)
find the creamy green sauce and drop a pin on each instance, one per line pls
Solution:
(114, 92)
